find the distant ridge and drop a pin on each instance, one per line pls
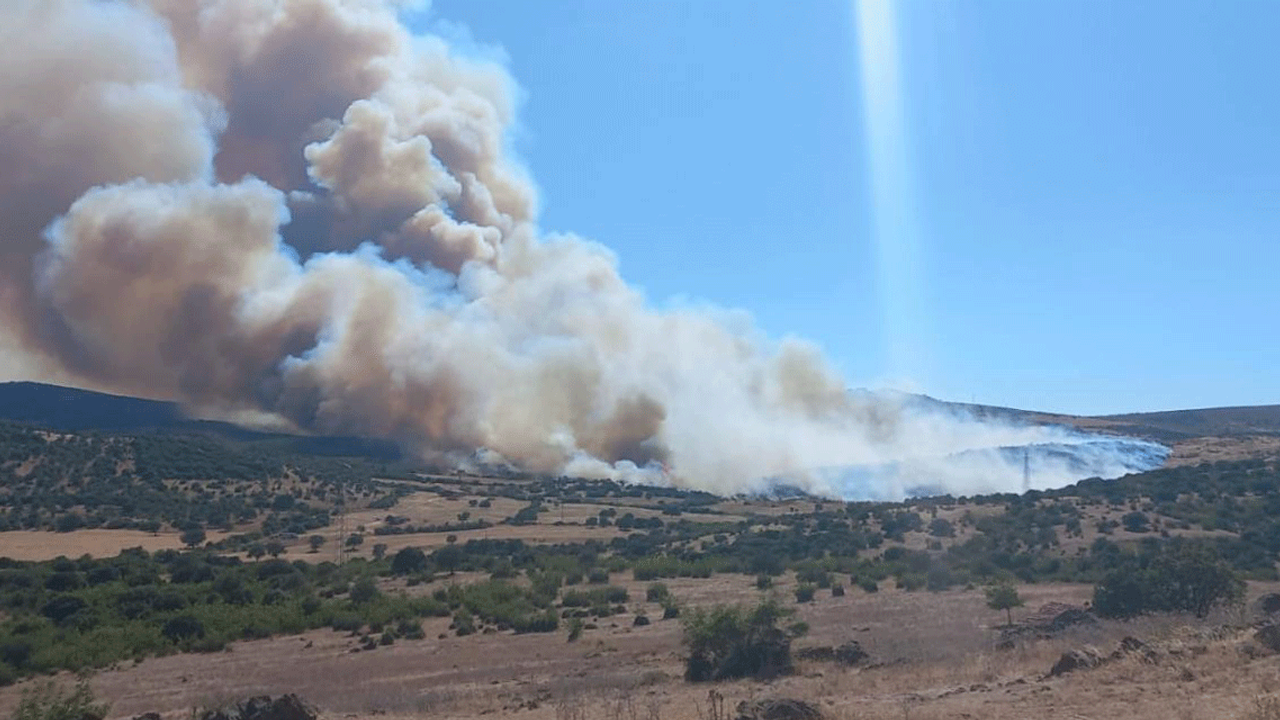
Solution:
(1223, 421)
(1164, 426)
(76, 410)
(66, 408)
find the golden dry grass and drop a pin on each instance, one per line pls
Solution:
(41, 545)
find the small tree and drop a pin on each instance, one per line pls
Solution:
(1004, 596)
(379, 551)
(363, 591)
(315, 541)
(275, 548)
(257, 550)
(409, 560)
(193, 537)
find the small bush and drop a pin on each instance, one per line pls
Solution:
(463, 623)
(732, 642)
(657, 592)
(805, 592)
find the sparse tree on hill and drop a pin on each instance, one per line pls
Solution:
(316, 541)
(1004, 596)
(257, 550)
(275, 548)
(193, 537)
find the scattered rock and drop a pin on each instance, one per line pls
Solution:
(1268, 636)
(778, 709)
(1075, 660)
(850, 653)
(824, 653)
(1045, 623)
(1268, 604)
(1133, 646)
(264, 707)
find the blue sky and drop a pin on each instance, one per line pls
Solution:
(1093, 188)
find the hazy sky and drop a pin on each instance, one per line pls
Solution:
(1091, 189)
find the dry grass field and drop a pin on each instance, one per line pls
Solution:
(39, 545)
(932, 657)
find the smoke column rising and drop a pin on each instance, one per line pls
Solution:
(299, 208)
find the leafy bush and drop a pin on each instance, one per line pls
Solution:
(729, 641)
(657, 592)
(805, 592)
(1182, 577)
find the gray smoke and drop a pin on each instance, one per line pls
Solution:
(299, 208)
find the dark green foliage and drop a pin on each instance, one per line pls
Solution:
(1179, 577)
(726, 642)
(805, 592)
(1136, 522)
(609, 595)
(182, 627)
(408, 560)
(940, 527)
(188, 601)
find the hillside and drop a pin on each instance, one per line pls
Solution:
(75, 410)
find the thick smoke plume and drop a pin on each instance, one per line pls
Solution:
(300, 208)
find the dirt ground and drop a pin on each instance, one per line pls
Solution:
(932, 657)
(32, 545)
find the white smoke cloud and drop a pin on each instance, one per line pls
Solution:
(298, 208)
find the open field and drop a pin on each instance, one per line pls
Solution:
(932, 658)
(40, 545)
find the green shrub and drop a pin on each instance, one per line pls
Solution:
(657, 592)
(732, 642)
(805, 592)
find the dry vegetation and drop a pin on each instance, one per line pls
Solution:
(932, 658)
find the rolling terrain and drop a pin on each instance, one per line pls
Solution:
(186, 563)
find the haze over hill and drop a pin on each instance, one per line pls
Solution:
(1133, 438)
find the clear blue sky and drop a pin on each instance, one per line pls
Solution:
(1094, 186)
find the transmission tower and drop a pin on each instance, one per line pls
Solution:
(1026, 469)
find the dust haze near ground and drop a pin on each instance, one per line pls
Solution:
(298, 208)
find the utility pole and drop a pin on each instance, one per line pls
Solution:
(342, 517)
(1026, 469)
